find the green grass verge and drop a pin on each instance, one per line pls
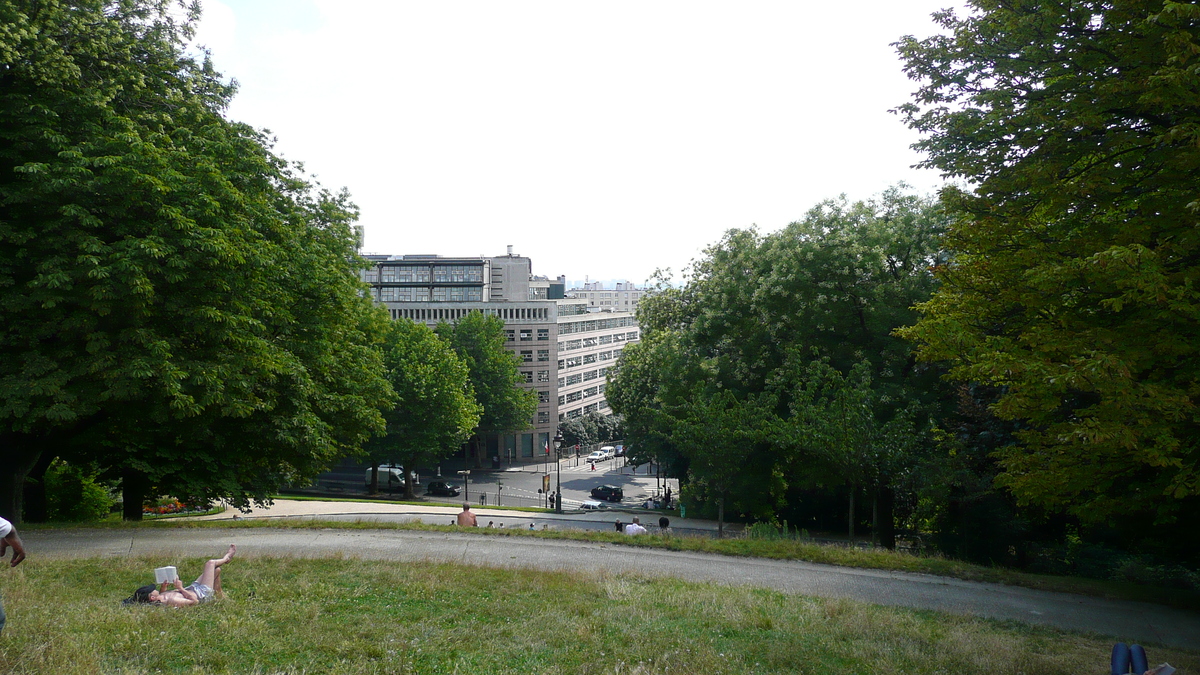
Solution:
(286, 615)
(778, 549)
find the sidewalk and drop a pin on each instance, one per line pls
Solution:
(383, 512)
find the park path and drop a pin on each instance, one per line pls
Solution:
(1118, 619)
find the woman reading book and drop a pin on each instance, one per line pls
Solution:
(202, 590)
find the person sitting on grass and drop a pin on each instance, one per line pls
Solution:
(202, 590)
(635, 527)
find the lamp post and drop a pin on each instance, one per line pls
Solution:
(466, 485)
(558, 440)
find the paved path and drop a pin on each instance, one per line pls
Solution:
(1129, 621)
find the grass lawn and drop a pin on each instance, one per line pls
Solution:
(779, 549)
(288, 615)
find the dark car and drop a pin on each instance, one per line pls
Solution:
(610, 493)
(441, 487)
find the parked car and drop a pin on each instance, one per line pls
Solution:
(609, 451)
(620, 451)
(391, 477)
(597, 456)
(591, 506)
(610, 493)
(441, 487)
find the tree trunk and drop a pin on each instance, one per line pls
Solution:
(887, 519)
(851, 519)
(875, 517)
(37, 510)
(721, 516)
(20, 454)
(134, 485)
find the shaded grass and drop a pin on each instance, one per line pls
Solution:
(778, 549)
(287, 615)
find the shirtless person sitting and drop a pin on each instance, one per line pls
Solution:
(466, 518)
(202, 590)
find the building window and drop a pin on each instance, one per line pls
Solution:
(562, 382)
(574, 379)
(574, 361)
(632, 335)
(574, 396)
(572, 344)
(510, 335)
(528, 375)
(543, 355)
(606, 339)
(543, 417)
(543, 376)
(591, 408)
(543, 396)
(589, 392)
(605, 356)
(572, 414)
(562, 400)
(543, 333)
(526, 335)
(526, 356)
(561, 364)
(589, 358)
(590, 375)
(589, 342)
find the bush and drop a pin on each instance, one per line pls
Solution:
(73, 495)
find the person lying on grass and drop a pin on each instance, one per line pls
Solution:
(202, 590)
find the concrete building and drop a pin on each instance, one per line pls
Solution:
(623, 297)
(565, 346)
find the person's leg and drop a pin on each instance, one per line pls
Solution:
(1120, 659)
(220, 594)
(208, 576)
(2, 617)
(1137, 657)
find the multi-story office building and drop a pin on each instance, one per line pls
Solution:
(623, 297)
(565, 347)
(589, 344)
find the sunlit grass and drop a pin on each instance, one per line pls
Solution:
(778, 549)
(287, 615)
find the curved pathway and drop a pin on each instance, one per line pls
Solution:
(1125, 620)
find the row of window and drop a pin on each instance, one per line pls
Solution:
(580, 412)
(437, 294)
(424, 273)
(448, 314)
(542, 355)
(583, 343)
(574, 361)
(595, 324)
(526, 334)
(542, 376)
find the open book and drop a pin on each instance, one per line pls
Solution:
(167, 574)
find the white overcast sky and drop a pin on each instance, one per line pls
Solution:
(601, 139)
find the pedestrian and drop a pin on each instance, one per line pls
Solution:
(466, 518)
(9, 538)
(635, 527)
(202, 590)
(483, 499)
(620, 526)
(593, 466)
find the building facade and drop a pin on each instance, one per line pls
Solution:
(565, 345)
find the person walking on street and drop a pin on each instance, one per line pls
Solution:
(9, 538)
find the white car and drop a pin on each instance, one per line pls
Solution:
(591, 505)
(609, 451)
(597, 456)
(391, 477)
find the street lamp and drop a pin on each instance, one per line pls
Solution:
(558, 441)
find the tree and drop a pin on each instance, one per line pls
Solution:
(479, 341)
(1073, 283)
(831, 287)
(177, 304)
(435, 409)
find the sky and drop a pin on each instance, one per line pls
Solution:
(604, 140)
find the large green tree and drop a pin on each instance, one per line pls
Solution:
(435, 409)
(506, 407)
(833, 286)
(176, 303)
(1074, 287)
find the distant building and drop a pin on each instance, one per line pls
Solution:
(565, 345)
(623, 296)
